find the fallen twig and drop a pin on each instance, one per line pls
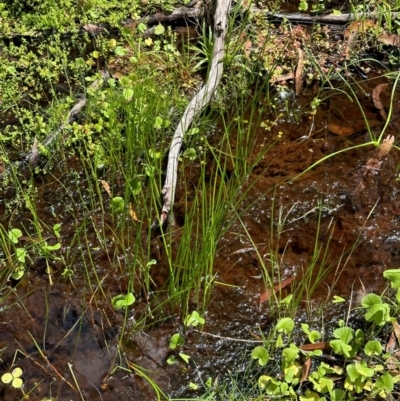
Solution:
(32, 158)
(326, 19)
(196, 105)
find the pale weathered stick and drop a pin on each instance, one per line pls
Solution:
(32, 158)
(196, 105)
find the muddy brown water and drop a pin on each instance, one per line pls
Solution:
(63, 334)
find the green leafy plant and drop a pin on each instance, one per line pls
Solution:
(122, 301)
(363, 370)
(194, 319)
(377, 311)
(177, 340)
(14, 378)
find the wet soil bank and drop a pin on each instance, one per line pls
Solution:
(348, 206)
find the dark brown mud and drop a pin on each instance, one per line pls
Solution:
(65, 336)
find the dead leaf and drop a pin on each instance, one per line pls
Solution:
(396, 328)
(323, 346)
(359, 26)
(254, 335)
(265, 296)
(390, 39)
(117, 74)
(247, 48)
(133, 213)
(106, 186)
(353, 30)
(385, 147)
(391, 345)
(281, 78)
(341, 129)
(92, 28)
(34, 155)
(376, 97)
(298, 80)
(305, 370)
(372, 166)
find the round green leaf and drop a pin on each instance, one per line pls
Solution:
(171, 360)
(193, 319)
(176, 340)
(290, 354)
(385, 383)
(263, 381)
(314, 336)
(159, 29)
(340, 348)
(285, 325)
(303, 6)
(117, 204)
(14, 234)
(120, 51)
(373, 348)
(363, 369)
(393, 275)
(378, 314)
(344, 334)
(261, 354)
(127, 93)
(136, 186)
(123, 301)
(21, 254)
(18, 274)
(370, 300)
(7, 378)
(17, 372)
(17, 382)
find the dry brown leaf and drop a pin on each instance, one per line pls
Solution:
(281, 78)
(92, 28)
(247, 48)
(323, 346)
(117, 74)
(133, 213)
(305, 370)
(106, 186)
(341, 130)
(385, 147)
(376, 97)
(298, 80)
(392, 364)
(359, 26)
(372, 166)
(391, 345)
(396, 328)
(265, 296)
(390, 39)
(353, 30)
(254, 335)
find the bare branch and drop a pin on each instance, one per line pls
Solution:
(197, 104)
